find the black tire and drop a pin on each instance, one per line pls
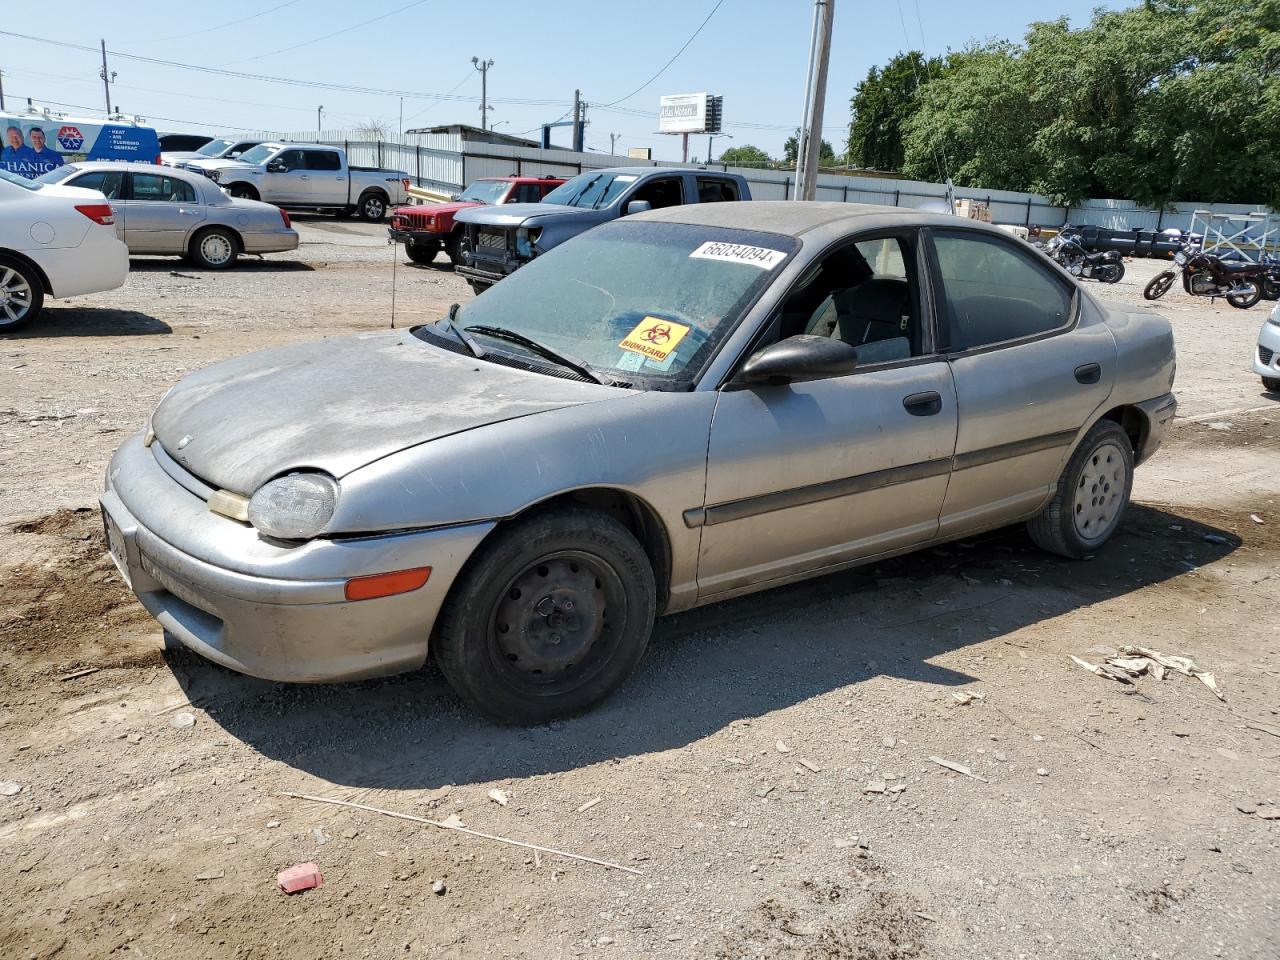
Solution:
(1159, 285)
(21, 294)
(1092, 474)
(421, 253)
(1110, 273)
(478, 287)
(372, 206)
(453, 247)
(214, 248)
(567, 574)
(243, 191)
(1270, 288)
(1271, 383)
(1246, 300)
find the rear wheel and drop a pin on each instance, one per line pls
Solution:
(1159, 285)
(214, 249)
(1246, 294)
(372, 206)
(21, 294)
(1109, 272)
(548, 618)
(1091, 496)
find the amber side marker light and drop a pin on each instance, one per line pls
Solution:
(387, 584)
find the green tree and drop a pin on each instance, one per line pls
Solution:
(826, 155)
(746, 156)
(881, 104)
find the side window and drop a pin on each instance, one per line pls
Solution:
(528, 193)
(108, 181)
(322, 160)
(240, 148)
(867, 294)
(151, 186)
(995, 293)
(662, 192)
(291, 159)
(715, 190)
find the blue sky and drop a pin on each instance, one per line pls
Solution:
(754, 52)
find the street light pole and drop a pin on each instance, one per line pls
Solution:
(319, 112)
(483, 66)
(711, 137)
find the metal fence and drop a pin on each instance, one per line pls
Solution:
(446, 163)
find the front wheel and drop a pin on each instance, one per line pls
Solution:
(241, 192)
(372, 207)
(21, 294)
(1109, 272)
(453, 247)
(1271, 383)
(1159, 285)
(1091, 495)
(548, 618)
(421, 253)
(1245, 295)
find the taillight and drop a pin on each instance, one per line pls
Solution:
(285, 217)
(405, 181)
(98, 212)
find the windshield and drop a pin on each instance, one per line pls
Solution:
(635, 300)
(485, 191)
(214, 148)
(258, 153)
(591, 190)
(20, 181)
(58, 174)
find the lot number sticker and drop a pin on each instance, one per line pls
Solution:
(654, 338)
(761, 257)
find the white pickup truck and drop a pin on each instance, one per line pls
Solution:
(308, 176)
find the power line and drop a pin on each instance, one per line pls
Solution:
(194, 123)
(229, 23)
(328, 36)
(671, 61)
(437, 102)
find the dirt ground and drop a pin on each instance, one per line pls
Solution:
(768, 771)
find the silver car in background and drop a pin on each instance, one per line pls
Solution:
(223, 148)
(671, 409)
(163, 210)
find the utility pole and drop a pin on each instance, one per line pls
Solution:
(401, 138)
(809, 145)
(319, 113)
(483, 66)
(577, 121)
(1, 90)
(107, 79)
(613, 137)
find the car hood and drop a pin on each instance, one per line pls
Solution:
(518, 214)
(452, 206)
(219, 164)
(180, 155)
(340, 404)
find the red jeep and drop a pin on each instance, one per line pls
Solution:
(427, 229)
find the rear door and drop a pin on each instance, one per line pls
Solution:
(1029, 371)
(717, 190)
(160, 213)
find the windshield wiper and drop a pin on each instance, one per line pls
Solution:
(585, 187)
(477, 351)
(550, 353)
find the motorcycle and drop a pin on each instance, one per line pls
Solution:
(1208, 275)
(1103, 266)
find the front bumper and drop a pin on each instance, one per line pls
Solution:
(1266, 356)
(419, 238)
(266, 609)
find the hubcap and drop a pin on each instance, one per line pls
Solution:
(216, 248)
(555, 619)
(373, 208)
(1100, 492)
(15, 295)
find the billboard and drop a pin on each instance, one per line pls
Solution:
(34, 144)
(682, 113)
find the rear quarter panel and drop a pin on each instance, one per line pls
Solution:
(1145, 358)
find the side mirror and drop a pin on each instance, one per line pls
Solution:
(275, 166)
(638, 206)
(800, 357)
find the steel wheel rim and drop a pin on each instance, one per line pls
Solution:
(557, 622)
(1099, 496)
(373, 208)
(15, 295)
(215, 248)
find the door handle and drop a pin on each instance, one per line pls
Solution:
(303, 176)
(923, 404)
(1089, 373)
(189, 213)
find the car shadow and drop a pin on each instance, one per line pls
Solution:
(708, 667)
(88, 322)
(247, 263)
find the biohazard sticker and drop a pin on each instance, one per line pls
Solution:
(761, 257)
(654, 338)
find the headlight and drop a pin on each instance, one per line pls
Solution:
(1274, 316)
(526, 239)
(296, 507)
(213, 175)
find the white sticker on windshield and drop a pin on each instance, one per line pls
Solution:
(626, 177)
(761, 257)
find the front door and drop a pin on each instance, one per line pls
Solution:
(287, 180)
(1031, 367)
(160, 213)
(810, 475)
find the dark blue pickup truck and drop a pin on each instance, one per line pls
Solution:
(499, 240)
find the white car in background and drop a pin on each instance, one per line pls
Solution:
(55, 241)
(1266, 362)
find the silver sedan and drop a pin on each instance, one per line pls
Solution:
(679, 407)
(162, 210)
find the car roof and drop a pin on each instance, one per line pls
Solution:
(796, 217)
(136, 167)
